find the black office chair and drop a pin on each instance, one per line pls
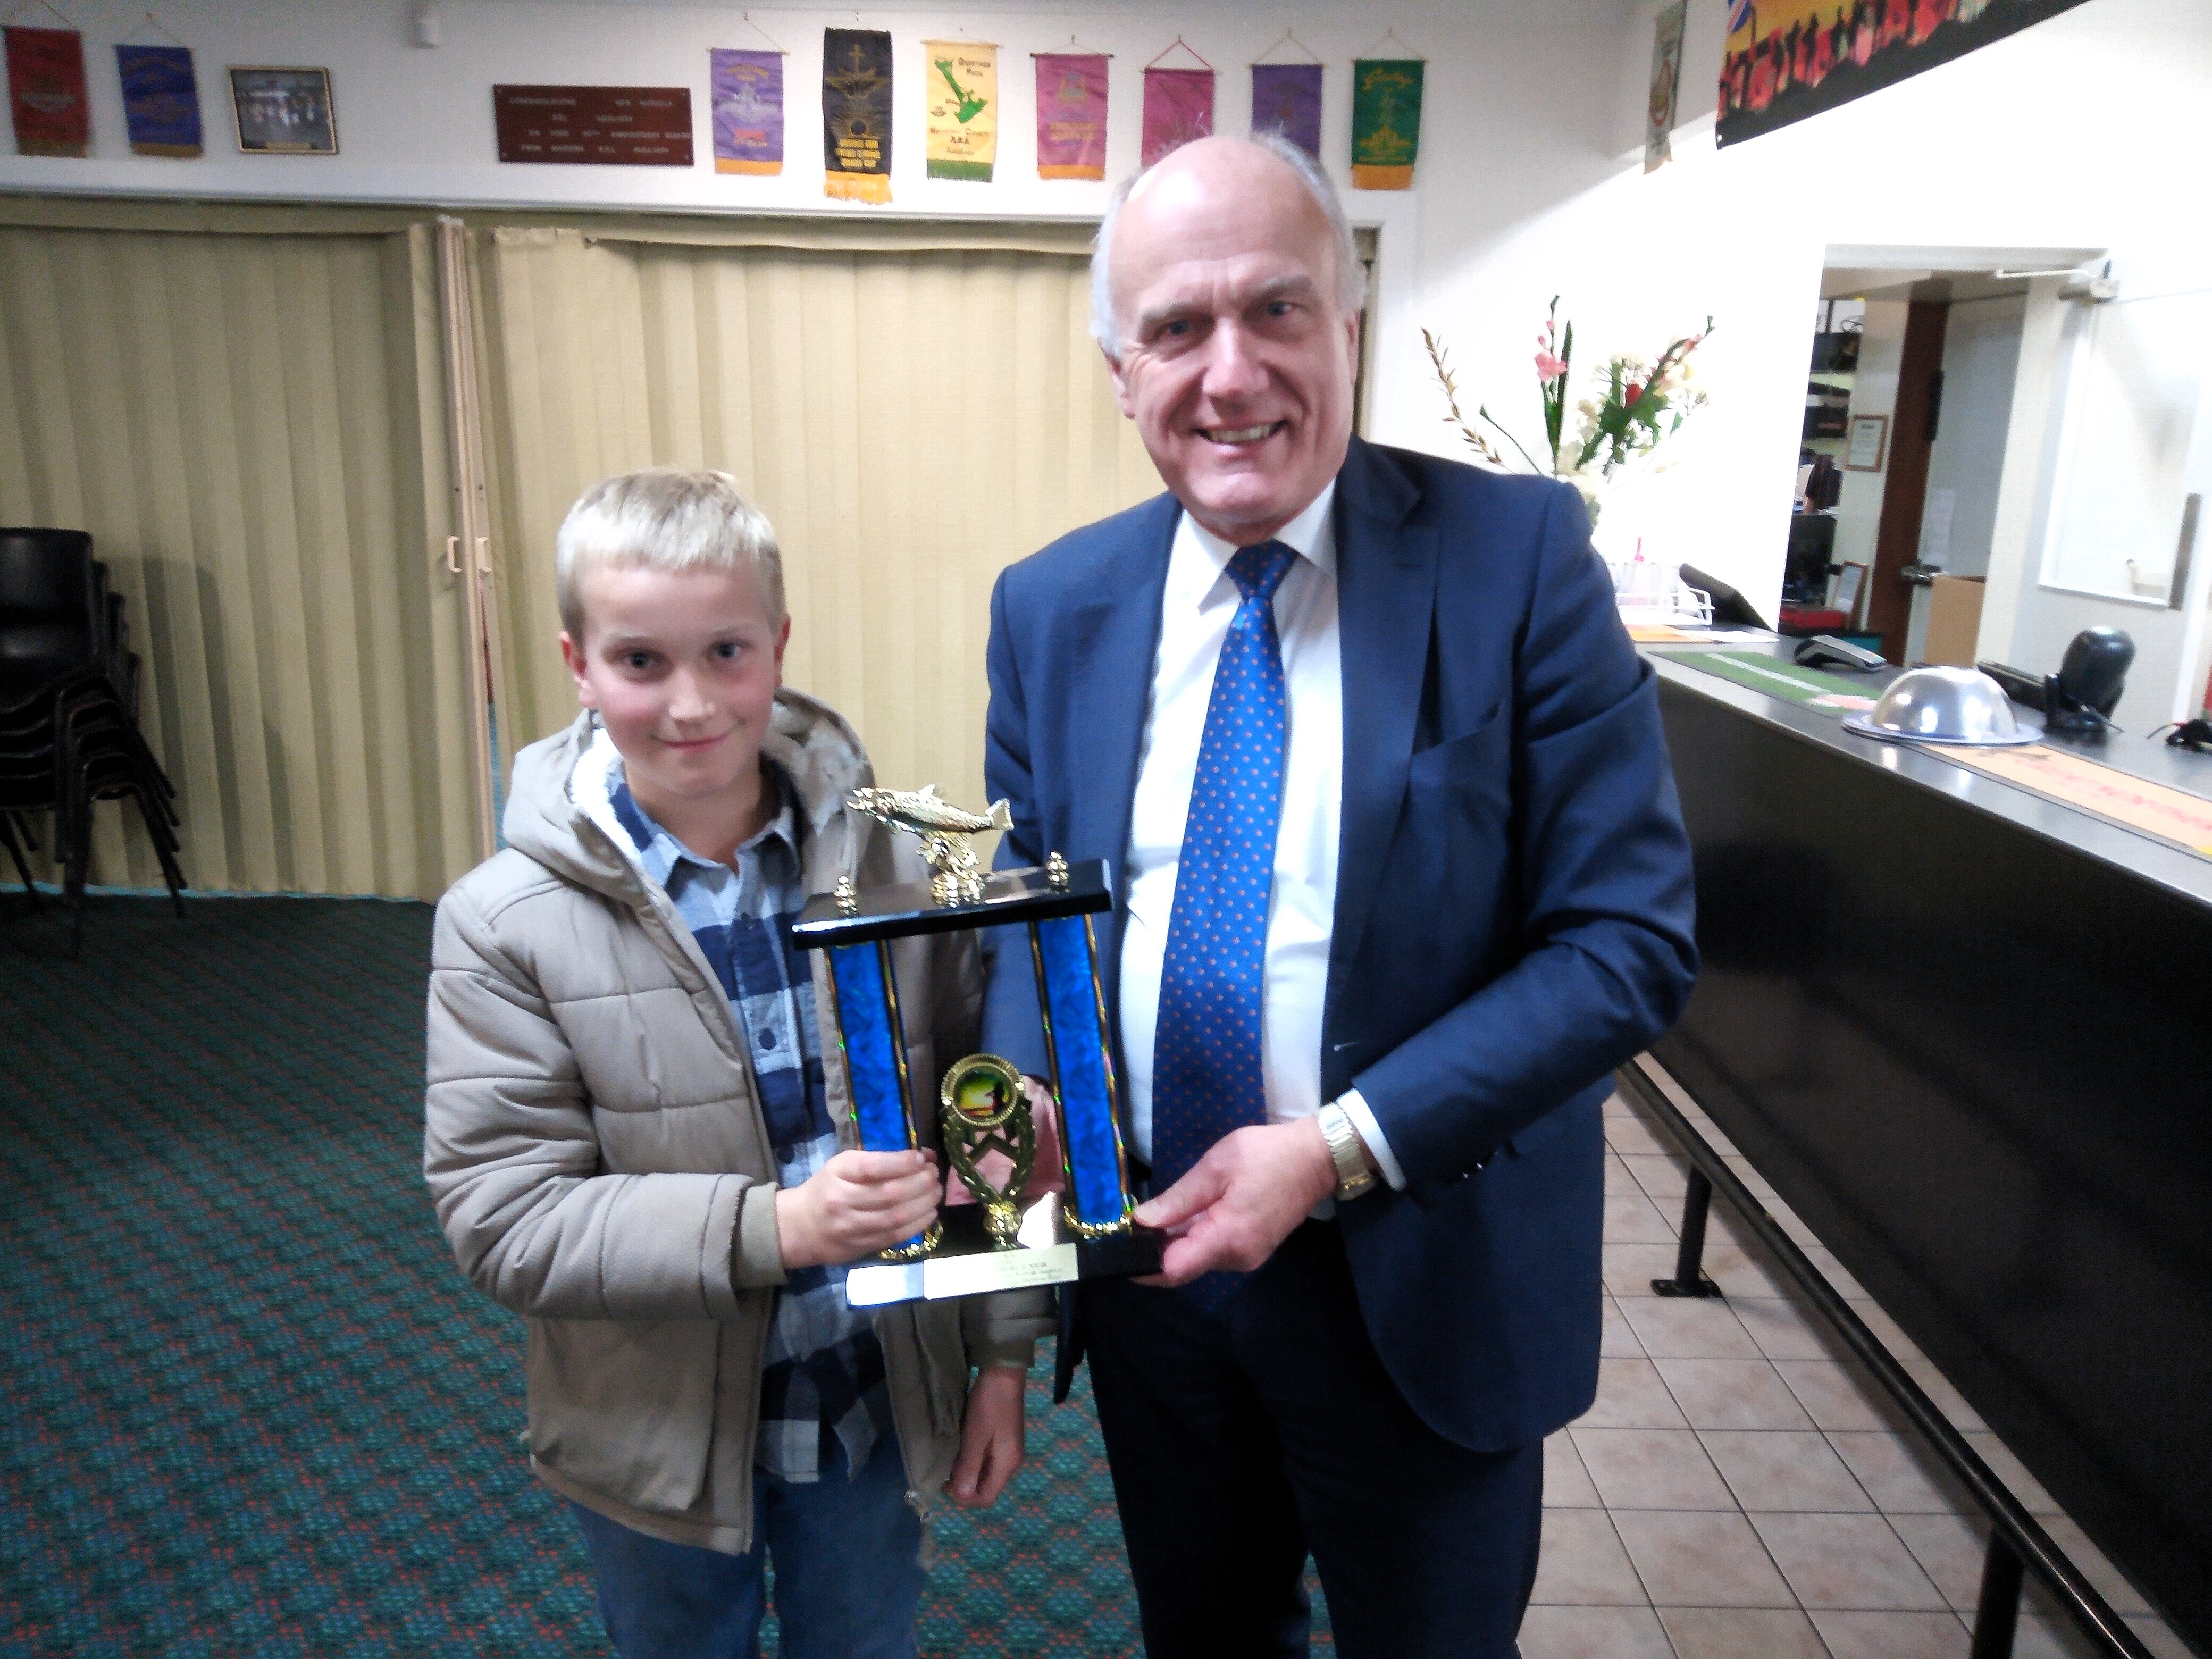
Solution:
(68, 728)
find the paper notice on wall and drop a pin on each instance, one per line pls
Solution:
(1936, 527)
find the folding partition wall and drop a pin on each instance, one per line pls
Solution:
(244, 407)
(914, 408)
(326, 450)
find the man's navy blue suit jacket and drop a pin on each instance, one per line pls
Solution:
(1514, 906)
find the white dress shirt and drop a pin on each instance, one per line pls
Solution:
(1198, 606)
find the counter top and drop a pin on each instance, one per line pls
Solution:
(2143, 855)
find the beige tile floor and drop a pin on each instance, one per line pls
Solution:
(1739, 1491)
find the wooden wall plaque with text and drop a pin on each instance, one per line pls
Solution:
(609, 127)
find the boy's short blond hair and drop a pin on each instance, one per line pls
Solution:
(672, 519)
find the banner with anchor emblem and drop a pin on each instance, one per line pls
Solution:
(856, 114)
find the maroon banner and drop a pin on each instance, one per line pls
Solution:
(1178, 107)
(607, 126)
(1071, 115)
(45, 91)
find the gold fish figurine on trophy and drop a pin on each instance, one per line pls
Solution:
(955, 876)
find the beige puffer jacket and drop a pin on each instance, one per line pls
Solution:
(599, 1160)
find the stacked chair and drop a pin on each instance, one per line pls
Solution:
(69, 711)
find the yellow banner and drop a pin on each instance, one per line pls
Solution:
(962, 131)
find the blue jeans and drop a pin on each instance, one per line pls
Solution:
(848, 1574)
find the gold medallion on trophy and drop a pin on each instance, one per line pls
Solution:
(983, 1109)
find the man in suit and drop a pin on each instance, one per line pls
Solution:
(1401, 879)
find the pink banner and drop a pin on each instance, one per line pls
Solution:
(1071, 111)
(1178, 107)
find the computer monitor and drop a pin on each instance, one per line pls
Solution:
(1812, 549)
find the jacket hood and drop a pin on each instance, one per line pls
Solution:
(557, 781)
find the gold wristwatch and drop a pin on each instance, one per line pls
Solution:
(1354, 1174)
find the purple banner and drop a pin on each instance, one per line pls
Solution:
(747, 91)
(1178, 107)
(1286, 98)
(1071, 111)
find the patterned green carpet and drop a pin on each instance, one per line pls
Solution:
(252, 1407)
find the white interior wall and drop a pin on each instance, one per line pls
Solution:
(415, 124)
(1873, 391)
(1981, 354)
(2034, 144)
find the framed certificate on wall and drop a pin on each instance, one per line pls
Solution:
(1869, 442)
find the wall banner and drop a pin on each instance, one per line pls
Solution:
(1178, 107)
(1386, 122)
(1071, 105)
(1787, 59)
(161, 100)
(1286, 98)
(856, 114)
(1666, 84)
(746, 90)
(45, 91)
(961, 113)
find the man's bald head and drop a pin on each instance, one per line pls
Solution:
(1228, 304)
(1221, 161)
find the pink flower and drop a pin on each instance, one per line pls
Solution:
(1549, 367)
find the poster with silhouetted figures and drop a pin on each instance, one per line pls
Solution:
(1787, 59)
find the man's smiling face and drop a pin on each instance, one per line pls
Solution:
(1236, 354)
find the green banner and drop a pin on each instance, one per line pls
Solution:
(1386, 122)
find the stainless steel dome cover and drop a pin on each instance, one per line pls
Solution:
(1961, 706)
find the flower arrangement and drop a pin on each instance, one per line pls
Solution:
(1640, 404)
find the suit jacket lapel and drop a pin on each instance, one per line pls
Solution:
(1386, 585)
(1116, 636)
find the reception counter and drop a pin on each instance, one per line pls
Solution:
(1965, 1031)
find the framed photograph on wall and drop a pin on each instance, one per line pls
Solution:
(1850, 586)
(284, 112)
(1870, 443)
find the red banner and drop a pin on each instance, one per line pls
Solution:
(1178, 107)
(45, 91)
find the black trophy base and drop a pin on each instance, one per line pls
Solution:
(967, 1262)
(1132, 1254)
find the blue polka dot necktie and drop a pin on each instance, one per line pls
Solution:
(1206, 1043)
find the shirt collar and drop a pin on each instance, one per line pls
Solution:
(660, 852)
(1311, 535)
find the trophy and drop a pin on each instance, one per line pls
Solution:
(982, 1104)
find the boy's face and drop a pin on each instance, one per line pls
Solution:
(684, 669)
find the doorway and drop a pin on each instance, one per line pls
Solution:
(1912, 418)
(2016, 446)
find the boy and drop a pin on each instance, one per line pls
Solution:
(633, 1124)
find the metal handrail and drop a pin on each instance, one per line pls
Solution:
(2017, 1539)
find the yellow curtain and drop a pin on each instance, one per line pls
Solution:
(250, 426)
(912, 419)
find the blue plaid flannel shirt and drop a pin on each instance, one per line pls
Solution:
(823, 1399)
